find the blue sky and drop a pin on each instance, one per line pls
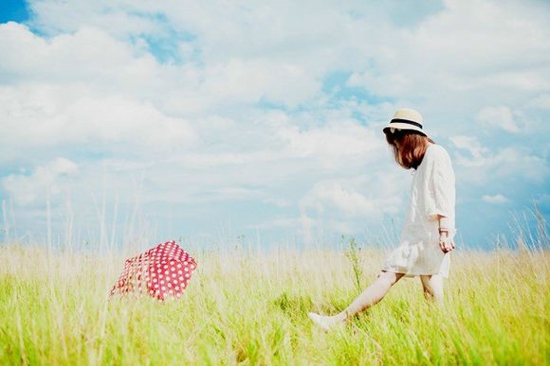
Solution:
(213, 121)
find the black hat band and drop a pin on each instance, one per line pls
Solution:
(399, 120)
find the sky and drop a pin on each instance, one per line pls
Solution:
(223, 122)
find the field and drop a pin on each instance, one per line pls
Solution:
(248, 307)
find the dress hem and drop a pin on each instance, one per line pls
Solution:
(408, 274)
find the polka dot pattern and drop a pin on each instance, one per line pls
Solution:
(162, 272)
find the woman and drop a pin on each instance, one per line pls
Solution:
(427, 236)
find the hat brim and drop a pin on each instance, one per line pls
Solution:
(403, 126)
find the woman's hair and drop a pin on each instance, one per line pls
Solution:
(412, 146)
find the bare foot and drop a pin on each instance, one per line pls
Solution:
(326, 322)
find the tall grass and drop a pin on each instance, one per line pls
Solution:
(245, 308)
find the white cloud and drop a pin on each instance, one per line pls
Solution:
(510, 162)
(353, 202)
(243, 58)
(485, 164)
(541, 102)
(496, 199)
(500, 117)
(120, 18)
(237, 62)
(278, 202)
(38, 116)
(332, 195)
(333, 142)
(44, 182)
(89, 55)
(470, 144)
(248, 81)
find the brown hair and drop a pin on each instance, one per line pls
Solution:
(412, 147)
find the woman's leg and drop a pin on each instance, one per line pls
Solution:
(371, 296)
(433, 287)
(374, 293)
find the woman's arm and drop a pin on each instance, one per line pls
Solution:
(443, 183)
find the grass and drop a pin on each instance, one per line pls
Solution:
(251, 309)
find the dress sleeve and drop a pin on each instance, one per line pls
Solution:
(443, 188)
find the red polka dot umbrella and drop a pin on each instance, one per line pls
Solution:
(162, 272)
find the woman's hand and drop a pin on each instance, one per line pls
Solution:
(445, 242)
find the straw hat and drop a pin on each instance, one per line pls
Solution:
(406, 119)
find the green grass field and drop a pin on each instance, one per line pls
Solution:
(251, 309)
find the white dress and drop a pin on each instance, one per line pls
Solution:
(432, 194)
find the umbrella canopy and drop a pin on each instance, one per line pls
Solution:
(162, 272)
